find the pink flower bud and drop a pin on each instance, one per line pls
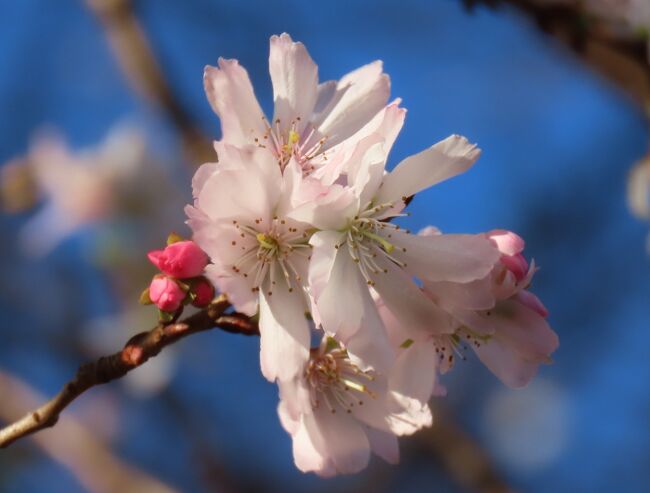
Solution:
(182, 259)
(204, 293)
(166, 293)
(516, 264)
(510, 245)
(533, 302)
(507, 242)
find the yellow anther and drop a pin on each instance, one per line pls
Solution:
(294, 137)
(266, 241)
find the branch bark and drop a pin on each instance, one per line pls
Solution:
(611, 52)
(138, 63)
(135, 353)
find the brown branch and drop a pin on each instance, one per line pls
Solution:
(461, 456)
(138, 63)
(612, 52)
(135, 353)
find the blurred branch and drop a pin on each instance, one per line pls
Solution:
(461, 457)
(75, 447)
(136, 352)
(138, 62)
(617, 55)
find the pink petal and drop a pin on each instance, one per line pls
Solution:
(284, 331)
(457, 258)
(231, 96)
(359, 96)
(295, 79)
(443, 160)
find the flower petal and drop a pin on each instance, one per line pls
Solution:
(231, 96)
(521, 342)
(309, 451)
(446, 257)
(443, 160)
(246, 187)
(384, 444)
(284, 331)
(235, 286)
(295, 81)
(359, 96)
(341, 302)
(343, 438)
(322, 259)
(418, 316)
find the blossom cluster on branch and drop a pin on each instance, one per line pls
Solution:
(297, 217)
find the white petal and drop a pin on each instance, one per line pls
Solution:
(413, 376)
(443, 160)
(202, 175)
(369, 347)
(284, 331)
(359, 96)
(418, 316)
(309, 451)
(248, 191)
(231, 96)
(322, 259)
(236, 287)
(330, 209)
(475, 295)
(341, 302)
(457, 258)
(384, 444)
(295, 80)
(343, 437)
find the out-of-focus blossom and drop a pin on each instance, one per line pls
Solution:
(638, 189)
(182, 259)
(166, 294)
(311, 122)
(79, 188)
(337, 413)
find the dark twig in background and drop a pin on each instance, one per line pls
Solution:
(614, 53)
(138, 63)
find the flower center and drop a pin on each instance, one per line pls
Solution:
(370, 243)
(273, 252)
(335, 381)
(285, 143)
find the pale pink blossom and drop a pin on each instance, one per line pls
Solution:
(79, 188)
(311, 121)
(166, 294)
(357, 251)
(182, 259)
(496, 316)
(337, 413)
(242, 218)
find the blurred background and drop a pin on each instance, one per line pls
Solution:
(103, 121)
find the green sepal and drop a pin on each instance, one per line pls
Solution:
(165, 317)
(145, 299)
(174, 238)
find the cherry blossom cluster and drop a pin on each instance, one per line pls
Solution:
(298, 217)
